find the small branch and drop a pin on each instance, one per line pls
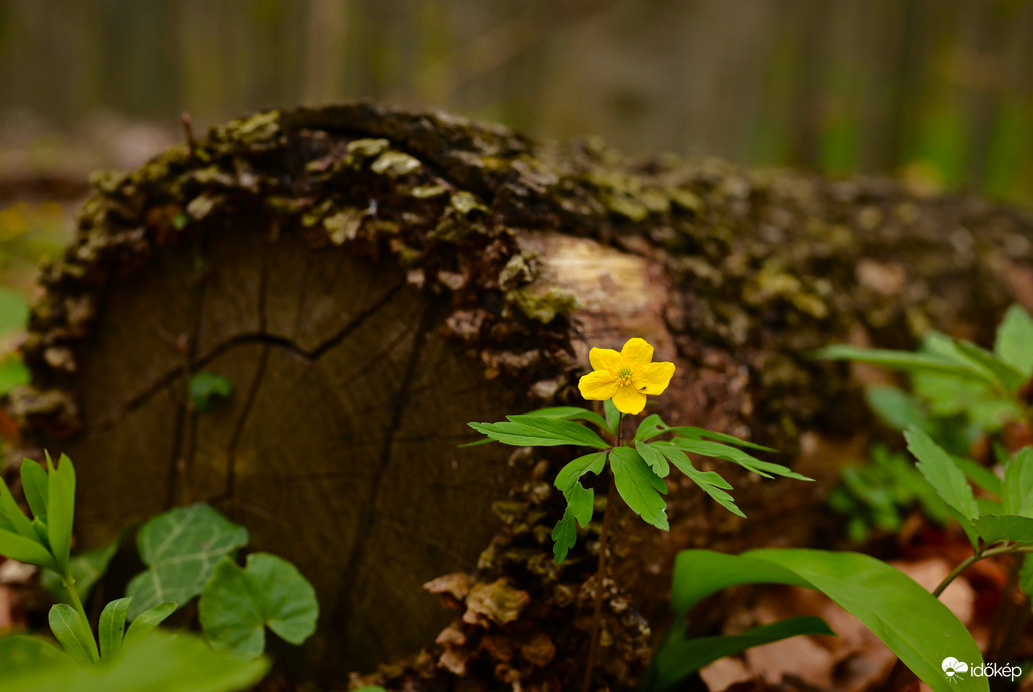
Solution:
(600, 576)
(188, 130)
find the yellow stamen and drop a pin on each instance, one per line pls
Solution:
(623, 376)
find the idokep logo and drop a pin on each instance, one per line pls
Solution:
(955, 670)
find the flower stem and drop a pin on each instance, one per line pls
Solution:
(73, 594)
(611, 498)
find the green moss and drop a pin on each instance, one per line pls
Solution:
(542, 303)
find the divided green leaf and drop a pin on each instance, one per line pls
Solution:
(717, 450)
(564, 536)
(1017, 488)
(994, 528)
(537, 431)
(237, 604)
(905, 360)
(589, 463)
(710, 482)
(570, 413)
(639, 487)
(1003, 374)
(943, 474)
(181, 548)
(654, 458)
(1014, 337)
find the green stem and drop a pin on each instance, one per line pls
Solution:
(611, 498)
(73, 594)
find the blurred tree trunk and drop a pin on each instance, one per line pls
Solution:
(370, 280)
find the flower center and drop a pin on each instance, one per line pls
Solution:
(623, 376)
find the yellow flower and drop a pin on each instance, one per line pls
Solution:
(625, 377)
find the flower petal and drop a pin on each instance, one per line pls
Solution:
(637, 352)
(598, 385)
(604, 359)
(654, 378)
(628, 400)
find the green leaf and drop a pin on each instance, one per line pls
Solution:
(656, 460)
(897, 408)
(694, 433)
(206, 385)
(737, 456)
(613, 416)
(147, 621)
(908, 619)
(86, 568)
(1025, 577)
(60, 510)
(13, 373)
(181, 548)
(943, 474)
(905, 360)
(639, 486)
(14, 310)
(28, 550)
(679, 657)
(570, 473)
(531, 431)
(237, 604)
(651, 426)
(564, 536)
(993, 528)
(570, 413)
(1014, 336)
(112, 626)
(162, 663)
(1005, 375)
(73, 634)
(978, 474)
(35, 486)
(1017, 488)
(12, 518)
(710, 482)
(580, 502)
(20, 654)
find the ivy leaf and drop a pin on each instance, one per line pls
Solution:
(181, 548)
(943, 474)
(570, 473)
(654, 458)
(536, 431)
(1014, 336)
(639, 486)
(1017, 489)
(73, 634)
(710, 482)
(206, 385)
(237, 604)
(564, 536)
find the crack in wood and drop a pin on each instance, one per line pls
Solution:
(369, 511)
(287, 344)
(256, 381)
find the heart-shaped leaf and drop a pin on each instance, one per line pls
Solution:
(181, 547)
(237, 604)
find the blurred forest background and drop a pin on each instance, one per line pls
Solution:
(938, 91)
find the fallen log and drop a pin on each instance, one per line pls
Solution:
(369, 280)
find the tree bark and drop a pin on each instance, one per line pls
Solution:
(370, 280)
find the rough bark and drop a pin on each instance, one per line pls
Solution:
(370, 280)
